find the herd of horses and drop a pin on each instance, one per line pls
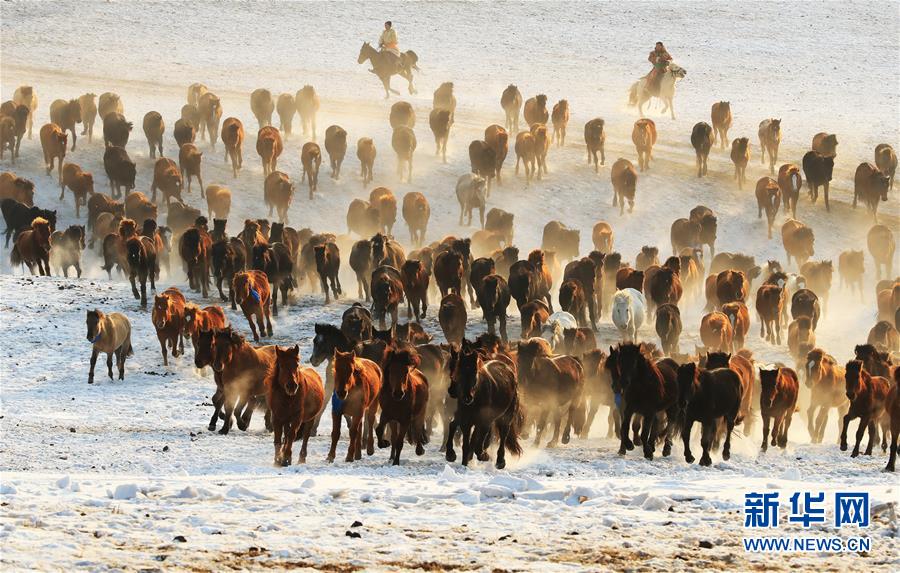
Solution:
(394, 383)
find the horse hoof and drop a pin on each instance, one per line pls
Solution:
(483, 457)
(329, 460)
(223, 432)
(383, 444)
(500, 464)
(450, 456)
(211, 427)
(705, 462)
(622, 451)
(420, 450)
(689, 459)
(855, 454)
(843, 447)
(726, 456)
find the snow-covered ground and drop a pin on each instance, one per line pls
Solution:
(116, 474)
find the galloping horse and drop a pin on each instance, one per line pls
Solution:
(386, 64)
(639, 94)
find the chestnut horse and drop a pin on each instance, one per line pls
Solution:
(32, 247)
(357, 384)
(252, 293)
(867, 395)
(825, 379)
(198, 319)
(295, 396)
(243, 371)
(487, 400)
(561, 390)
(404, 401)
(109, 333)
(777, 401)
(168, 319)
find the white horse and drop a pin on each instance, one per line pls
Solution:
(639, 94)
(628, 309)
(552, 331)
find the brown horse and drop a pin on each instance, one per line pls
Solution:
(243, 371)
(721, 121)
(768, 199)
(233, 139)
(880, 241)
(819, 170)
(790, 181)
(210, 107)
(541, 147)
(702, 139)
(168, 320)
(109, 333)
(295, 396)
(382, 199)
(416, 213)
(668, 327)
(595, 141)
(328, 265)
(708, 397)
(252, 293)
(871, 187)
(487, 399)
(798, 241)
(561, 390)
(154, 128)
(189, 159)
(777, 403)
(307, 101)
(311, 159)
(851, 268)
(357, 385)
(535, 110)
(440, 121)
(497, 139)
(32, 248)
(886, 161)
(742, 364)
(716, 332)
(194, 247)
(65, 249)
(825, 379)
(452, 317)
(197, 319)
(648, 388)
(168, 179)
(494, 297)
(365, 152)
(769, 140)
(511, 102)
(770, 307)
(79, 182)
(404, 401)
(526, 152)
(66, 114)
(602, 237)
(53, 142)
(739, 317)
(740, 156)
(415, 279)
(624, 181)
(867, 396)
(403, 141)
(643, 135)
(269, 147)
(560, 118)
(387, 293)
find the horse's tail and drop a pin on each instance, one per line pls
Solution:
(633, 94)
(511, 441)
(15, 257)
(796, 181)
(127, 349)
(719, 435)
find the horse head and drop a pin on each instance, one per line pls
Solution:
(677, 71)
(365, 52)
(287, 374)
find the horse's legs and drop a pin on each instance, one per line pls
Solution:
(449, 435)
(279, 458)
(466, 448)
(249, 318)
(398, 435)
(766, 418)
(873, 435)
(217, 400)
(335, 435)
(785, 427)
(626, 443)
(229, 404)
(863, 424)
(369, 428)
(290, 434)
(162, 347)
(94, 353)
(686, 439)
(648, 437)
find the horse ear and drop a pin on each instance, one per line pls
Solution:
(235, 337)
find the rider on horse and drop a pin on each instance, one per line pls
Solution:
(388, 40)
(660, 59)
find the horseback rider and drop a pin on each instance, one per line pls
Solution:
(388, 40)
(660, 59)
